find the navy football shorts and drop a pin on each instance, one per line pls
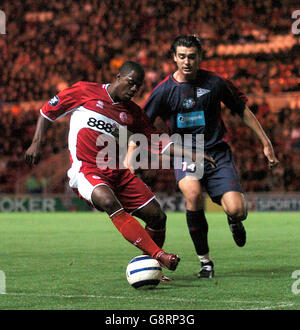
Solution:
(217, 181)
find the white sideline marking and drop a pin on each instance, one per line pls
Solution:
(269, 304)
(279, 305)
(2, 282)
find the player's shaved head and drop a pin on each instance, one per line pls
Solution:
(129, 66)
(128, 82)
(186, 41)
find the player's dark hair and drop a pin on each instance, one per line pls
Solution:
(129, 66)
(186, 41)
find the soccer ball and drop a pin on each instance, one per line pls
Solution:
(143, 272)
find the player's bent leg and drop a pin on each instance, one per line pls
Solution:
(234, 205)
(155, 220)
(104, 198)
(197, 223)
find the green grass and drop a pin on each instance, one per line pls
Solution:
(78, 261)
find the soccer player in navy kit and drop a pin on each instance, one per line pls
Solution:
(190, 100)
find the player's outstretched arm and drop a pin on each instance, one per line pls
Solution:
(251, 121)
(174, 151)
(177, 151)
(33, 153)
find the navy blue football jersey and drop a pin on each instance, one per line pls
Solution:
(195, 107)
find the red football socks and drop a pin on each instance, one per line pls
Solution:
(134, 232)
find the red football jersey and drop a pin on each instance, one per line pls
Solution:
(98, 124)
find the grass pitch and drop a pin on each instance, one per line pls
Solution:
(77, 261)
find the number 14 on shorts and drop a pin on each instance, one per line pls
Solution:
(188, 167)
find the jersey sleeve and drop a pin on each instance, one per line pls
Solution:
(158, 143)
(61, 104)
(233, 97)
(154, 105)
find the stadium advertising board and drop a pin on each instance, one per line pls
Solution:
(279, 203)
(169, 203)
(41, 204)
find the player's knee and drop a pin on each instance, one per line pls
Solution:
(108, 205)
(105, 202)
(237, 213)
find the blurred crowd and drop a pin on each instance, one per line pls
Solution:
(50, 45)
(17, 130)
(54, 42)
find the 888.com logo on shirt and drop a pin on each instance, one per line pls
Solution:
(54, 101)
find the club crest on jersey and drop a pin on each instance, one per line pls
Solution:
(188, 103)
(54, 101)
(123, 117)
(202, 91)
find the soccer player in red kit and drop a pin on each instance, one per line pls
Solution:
(99, 112)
